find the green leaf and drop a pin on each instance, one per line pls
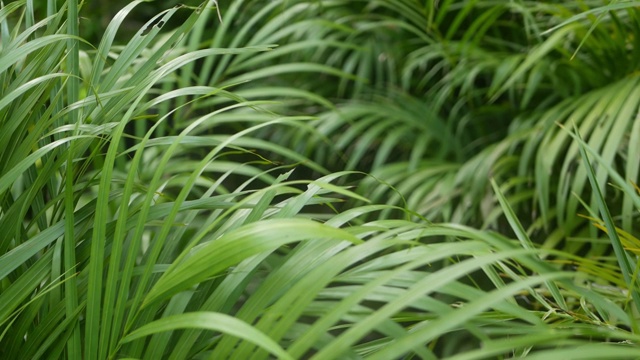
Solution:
(210, 321)
(230, 249)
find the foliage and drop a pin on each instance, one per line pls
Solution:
(321, 179)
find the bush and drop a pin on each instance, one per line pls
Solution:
(320, 179)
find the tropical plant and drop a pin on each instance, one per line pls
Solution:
(323, 179)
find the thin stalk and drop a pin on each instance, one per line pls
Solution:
(74, 348)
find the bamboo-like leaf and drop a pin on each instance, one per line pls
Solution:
(210, 321)
(425, 333)
(597, 10)
(524, 239)
(627, 266)
(249, 240)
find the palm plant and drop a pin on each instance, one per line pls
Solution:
(149, 207)
(446, 71)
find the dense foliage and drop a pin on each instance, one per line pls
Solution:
(322, 179)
